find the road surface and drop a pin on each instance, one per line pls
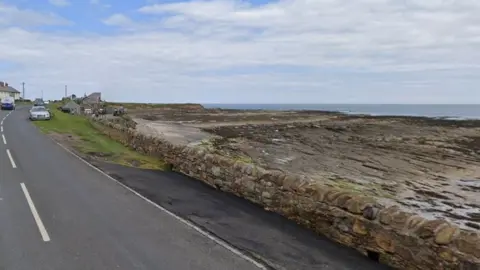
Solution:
(57, 212)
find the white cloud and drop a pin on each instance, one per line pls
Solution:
(12, 16)
(59, 3)
(118, 20)
(232, 51)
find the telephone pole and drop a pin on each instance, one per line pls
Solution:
(23, 90)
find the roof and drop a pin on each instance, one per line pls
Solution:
(93, 98)
(95, 95)
(71, 105)
(8, 89)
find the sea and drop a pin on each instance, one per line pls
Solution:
(447, 111)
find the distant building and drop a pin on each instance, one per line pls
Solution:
(93, 98)
(8, 91)
(72, 107)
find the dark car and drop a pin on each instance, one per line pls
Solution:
(38, 102)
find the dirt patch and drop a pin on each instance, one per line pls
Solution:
(67, 140)
(99, 155)
(430, 166)
(133, 162)
(176, 133)
(74, 144)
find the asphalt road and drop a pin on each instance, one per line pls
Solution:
(56, 212)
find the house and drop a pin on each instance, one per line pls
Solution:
(93, 98)
(72, 107)
(8, 91)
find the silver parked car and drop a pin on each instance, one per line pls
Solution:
(37, 106)
(39, 113)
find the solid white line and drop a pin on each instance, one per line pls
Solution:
(4, 140)
(1, 128)
(36, 216)
(180, 219)
(11, 159)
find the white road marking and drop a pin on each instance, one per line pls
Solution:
(36, 216)
(11, 159)
(33, 209)
(180, 219)
(1, 127)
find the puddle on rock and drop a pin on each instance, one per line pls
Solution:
(467, 216)
(469, 185)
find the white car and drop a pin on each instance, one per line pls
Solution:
(36, 106)
(39, 113)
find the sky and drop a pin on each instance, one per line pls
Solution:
(257, 51)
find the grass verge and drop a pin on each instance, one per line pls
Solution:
(77, 132)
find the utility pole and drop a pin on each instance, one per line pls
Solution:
(66, 94)
(23, 90)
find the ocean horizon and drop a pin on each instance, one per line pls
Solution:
(453, 111)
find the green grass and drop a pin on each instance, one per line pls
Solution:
(90, 141)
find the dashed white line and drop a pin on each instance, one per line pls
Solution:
(11, 159)
(1, 123)
(33, 209)
(36, 216)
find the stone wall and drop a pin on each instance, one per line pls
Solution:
(400, 239)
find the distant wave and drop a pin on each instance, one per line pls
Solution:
(440, 111)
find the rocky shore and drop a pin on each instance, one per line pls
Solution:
(428, 166)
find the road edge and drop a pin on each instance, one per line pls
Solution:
(256, 262)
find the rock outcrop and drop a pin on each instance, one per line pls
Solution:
(400, 239)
